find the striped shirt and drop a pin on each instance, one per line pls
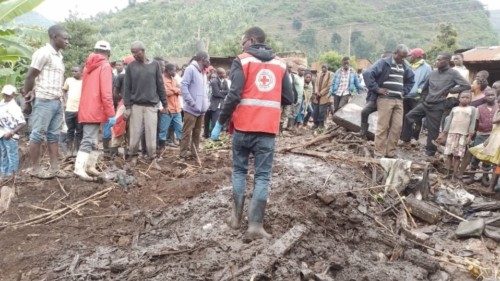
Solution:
(49, 83)
(394, 84)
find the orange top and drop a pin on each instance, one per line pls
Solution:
(173, 93)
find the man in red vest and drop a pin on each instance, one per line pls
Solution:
(259, 88)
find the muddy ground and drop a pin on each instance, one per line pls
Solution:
(326, 220)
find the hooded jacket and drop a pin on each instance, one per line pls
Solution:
(233, 98)
(96, 101)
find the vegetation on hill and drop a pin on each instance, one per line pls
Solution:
(173, 27)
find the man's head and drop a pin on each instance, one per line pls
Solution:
(203, 59)
(400, 53)
(59, 38)
(490, 96)
(76, 71)
(482, 74)
(482, 83)
(170, 69)
(253, 35)
(458, 59)
(289, 67)
(102, 47)
(8, 92)
(308, 77)
(416, 55)
(324, 68)
(301, 70)
(345, 63)
(443, 60)
(119, 66)
(161, 62)
(221, 72)
(138, 51)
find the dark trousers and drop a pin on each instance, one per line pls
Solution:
(75, 129)
(211, 117)
(410, 130)
(370, 107)
(309, 112)
(433, 114)
(319, 112)
(339, 102)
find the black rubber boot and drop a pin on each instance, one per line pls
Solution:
(256, 212)
(105, 146)
(363, 131)
(237, 213)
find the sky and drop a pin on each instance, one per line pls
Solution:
(58, 10)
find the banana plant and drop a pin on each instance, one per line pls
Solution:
(12, 50)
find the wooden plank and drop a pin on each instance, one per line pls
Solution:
(423, 210)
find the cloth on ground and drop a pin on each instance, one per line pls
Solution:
(397, 173)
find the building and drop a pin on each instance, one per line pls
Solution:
(483, 58)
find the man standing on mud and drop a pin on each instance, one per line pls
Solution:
(259, 88)
(43, 86)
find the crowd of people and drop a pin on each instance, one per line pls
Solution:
(143, 104)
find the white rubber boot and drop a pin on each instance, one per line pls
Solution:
(91, 170)
(80, 164)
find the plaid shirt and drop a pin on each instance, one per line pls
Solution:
(49, 83)
(344, 83)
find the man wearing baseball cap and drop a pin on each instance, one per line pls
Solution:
(96, 107)
(422, 70)
(11, 121)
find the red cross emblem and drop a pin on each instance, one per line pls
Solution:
(264, 80)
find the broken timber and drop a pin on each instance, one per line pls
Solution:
(423, 210)
(265, 260)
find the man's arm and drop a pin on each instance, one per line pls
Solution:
(409, 81)
(326, 90)
(105, 76)
(160, 87)
(186, 80)
(127, 85)
(234, 96)
(371, 74)
(334, 86)
(461, 83)
(216, 90)
(287, 94)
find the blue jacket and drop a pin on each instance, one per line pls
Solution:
(421, 76)
(354, 86)
(378, 73)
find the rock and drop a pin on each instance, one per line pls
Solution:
(472, 228)
(416, 235)
(119, 265)
(490, 243)
(428, 229)
(440, 276)
(326, 196)
(124, 241)
(6, 194)
(492, 232)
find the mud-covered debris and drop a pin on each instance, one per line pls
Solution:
(472, 228)
(453, 196)
(421, 259)
(423, 210)
(119, 265)
(6, 194)
(492, 232)
(326, 196)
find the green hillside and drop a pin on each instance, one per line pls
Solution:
(495, 21)
(172, 27)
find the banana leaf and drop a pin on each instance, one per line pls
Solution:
(11, 9)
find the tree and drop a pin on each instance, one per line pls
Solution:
(12, 49)
(335, 41)
(360, 47)
(297, 24)
(445, 41)
(82, 39)
(307, 38)
(334, 60)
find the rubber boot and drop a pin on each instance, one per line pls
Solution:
(91, 170)
(105, 146)
(80, 164)
(238, 202)
(363, 131)
(161, 146)
(69, 148)
(255, 220)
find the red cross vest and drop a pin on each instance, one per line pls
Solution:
(260, 107)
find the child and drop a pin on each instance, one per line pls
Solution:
(489, 151)
(458, 132)
(11, 121)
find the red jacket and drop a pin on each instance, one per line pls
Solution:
(96, 101)
(260, 107)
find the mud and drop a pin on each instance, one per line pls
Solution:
(171, 227)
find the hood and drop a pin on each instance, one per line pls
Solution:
(94, 61)
(261, 51)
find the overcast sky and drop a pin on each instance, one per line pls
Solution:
(58, 10)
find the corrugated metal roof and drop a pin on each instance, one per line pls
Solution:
(482, 54)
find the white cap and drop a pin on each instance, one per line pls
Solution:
(8, 90)
(102, 45)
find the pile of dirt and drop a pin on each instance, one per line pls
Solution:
(326, 216)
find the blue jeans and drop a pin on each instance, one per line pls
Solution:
(106, 130)
(9, 156)
(262, 147)
(166, 120)
(46, 120)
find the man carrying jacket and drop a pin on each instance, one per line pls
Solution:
(96, 107)
(391, 79)
(259, 88)
(345, 83)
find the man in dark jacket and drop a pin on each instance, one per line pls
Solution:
(259, 87)
(390, 79)
(219, 87)
(442, 81)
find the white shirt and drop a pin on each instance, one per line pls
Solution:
(463, 71)
(48, 84)
(11, 116)
(74, 88)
